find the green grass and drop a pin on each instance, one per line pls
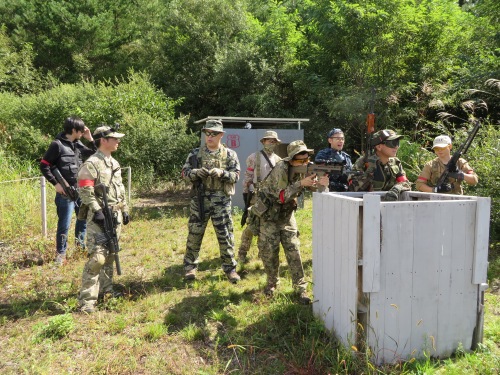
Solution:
(163, 325)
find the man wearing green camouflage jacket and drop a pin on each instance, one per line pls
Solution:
(100, 168)
(278, 194)
(382, 171)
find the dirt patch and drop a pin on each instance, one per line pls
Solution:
(165, 198)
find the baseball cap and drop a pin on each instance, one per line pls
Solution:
(334, 131)
(105, 131)
(384, 135)
(214, 125)
(270, 135)
(296, 147)
(441, 141)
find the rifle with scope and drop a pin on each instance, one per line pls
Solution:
(328, 167)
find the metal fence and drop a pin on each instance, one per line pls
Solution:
(43, 196)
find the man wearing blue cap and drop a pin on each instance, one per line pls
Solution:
(334, 154)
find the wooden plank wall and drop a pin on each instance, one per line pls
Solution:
(427, 301)
(336, 223)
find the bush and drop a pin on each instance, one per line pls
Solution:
(155, 139)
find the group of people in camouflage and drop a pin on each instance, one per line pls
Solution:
(213, 169)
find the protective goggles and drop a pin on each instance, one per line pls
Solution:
(392, 143)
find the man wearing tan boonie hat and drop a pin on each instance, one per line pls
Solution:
(278, 194)
(259, 165)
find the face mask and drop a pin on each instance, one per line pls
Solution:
(269, 149)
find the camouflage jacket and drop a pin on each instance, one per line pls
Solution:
(106, 170)
(279, 192)
(377, 176)
(224, 158)
(258, 168)
(433, 170)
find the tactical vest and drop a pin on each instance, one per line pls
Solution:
(69, 161)
(211, 160)
(384, 176)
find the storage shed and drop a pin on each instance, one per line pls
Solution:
(403, 279)
(243, 134)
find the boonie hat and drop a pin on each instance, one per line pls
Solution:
(214, 125)
(105, 131)
(441, 141)
(270, 134)
(334, 131)
(384, 135)
(296, 147)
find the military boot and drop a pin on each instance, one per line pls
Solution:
(190, 275)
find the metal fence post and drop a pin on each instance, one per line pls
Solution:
(44, 205)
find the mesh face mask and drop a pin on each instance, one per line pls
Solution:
(269, 149)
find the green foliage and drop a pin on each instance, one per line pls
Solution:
(17, 73)
(146, 116)
(56, 328)
(484, 158)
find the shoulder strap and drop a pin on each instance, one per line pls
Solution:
(267, 158)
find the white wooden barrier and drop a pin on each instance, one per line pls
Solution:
(401, 279)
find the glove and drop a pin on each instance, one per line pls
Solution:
(126, 218)
(391, 196)
(459, 176)
(394, 193)
(201, 172)
(99, 218)
(216, 172)
(443, 188)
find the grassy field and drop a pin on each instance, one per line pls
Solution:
(163, 325)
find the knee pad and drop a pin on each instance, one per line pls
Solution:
(95, 263)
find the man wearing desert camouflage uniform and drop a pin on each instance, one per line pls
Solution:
(279, 192)
(382, 171)
(100, 168)
(259, 164)
(213, 169)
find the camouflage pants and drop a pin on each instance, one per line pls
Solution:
(217, 208)
(246, 242)
(98, 271)
(271, 234)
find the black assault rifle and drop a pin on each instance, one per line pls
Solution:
(247, 197)
(69, 190)
(330, 167)
(452, 167)
(199, 188)
(109, 236)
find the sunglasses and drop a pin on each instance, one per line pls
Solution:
(440, 148)
(212, 134)
(392, 143)
(338, 138)
(301, 161)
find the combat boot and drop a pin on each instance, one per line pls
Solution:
(304, 298)
(88, 308)
(233, 276)
(190, 275)
(270, 289)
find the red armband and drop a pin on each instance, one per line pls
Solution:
(250, 169)
(43, 161)
(401, 179)
(282, 196)
(83, 183)
(421, 178)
